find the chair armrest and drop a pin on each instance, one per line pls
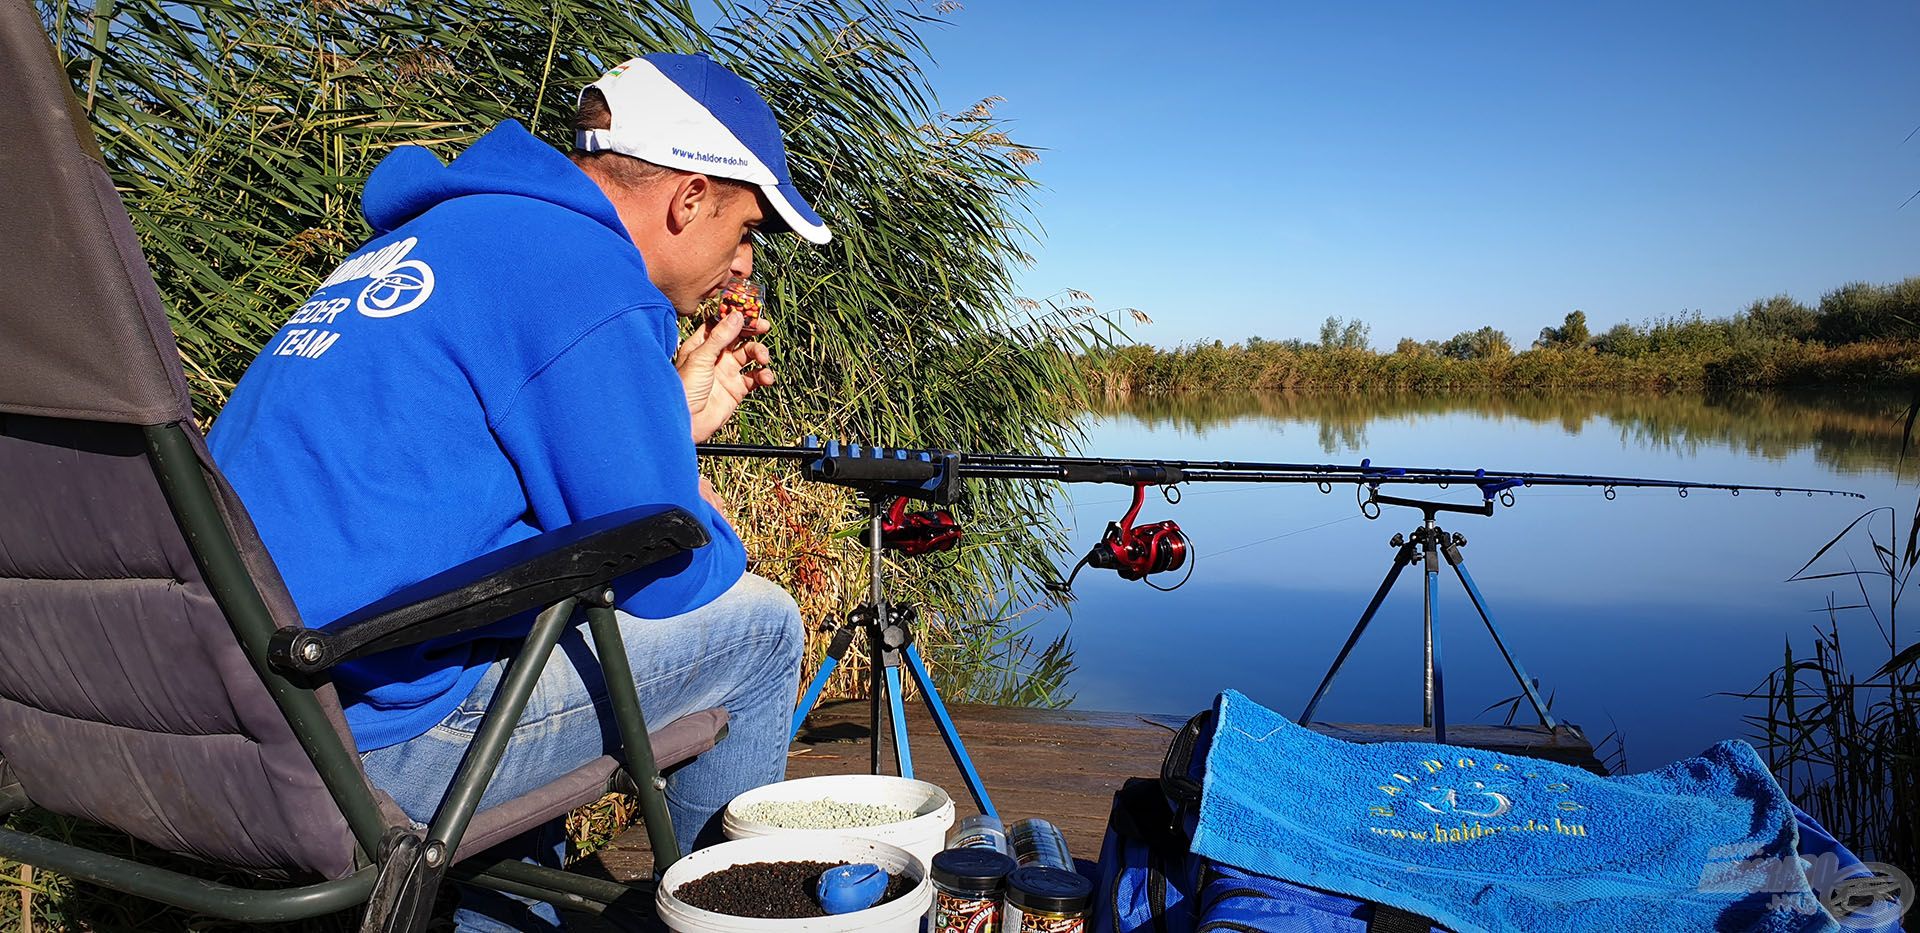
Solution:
(530, 574)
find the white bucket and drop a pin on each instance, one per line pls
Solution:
(900, 915)
(924, 835)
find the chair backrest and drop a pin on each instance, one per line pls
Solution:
(125, 696)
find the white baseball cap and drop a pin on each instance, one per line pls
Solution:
(689, 113)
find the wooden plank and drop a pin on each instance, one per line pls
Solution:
(1062, 765)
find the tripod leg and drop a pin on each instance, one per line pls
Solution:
(896, 704)
(836, 652)
(944, 722)
(1401, 559)
(1486, 615)
(1436, 690)
(876, 697)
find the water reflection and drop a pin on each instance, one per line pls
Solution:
(1634, 613)
(1852, 432)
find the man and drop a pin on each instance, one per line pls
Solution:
(500, 360)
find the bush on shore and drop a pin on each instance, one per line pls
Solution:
(1860, 334)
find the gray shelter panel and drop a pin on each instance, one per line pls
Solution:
(70, 268)
(124, 696)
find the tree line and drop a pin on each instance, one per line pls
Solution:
(1859, 333)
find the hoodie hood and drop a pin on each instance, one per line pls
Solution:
(507, 160)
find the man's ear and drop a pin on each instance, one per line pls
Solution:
(693, 197)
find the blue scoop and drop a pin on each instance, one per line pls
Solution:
(848, 888)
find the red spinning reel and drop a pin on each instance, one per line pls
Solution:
(918, 533)
(1136, 551)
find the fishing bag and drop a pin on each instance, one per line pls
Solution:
(1151, 880)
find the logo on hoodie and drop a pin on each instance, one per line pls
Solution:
(398, 284)
(398, 289)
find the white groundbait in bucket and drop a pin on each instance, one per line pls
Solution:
(900, 915)
(924, 835)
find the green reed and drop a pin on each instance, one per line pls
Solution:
(1842, 733)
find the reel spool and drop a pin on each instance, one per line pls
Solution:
(1136, 552)
(917, 533)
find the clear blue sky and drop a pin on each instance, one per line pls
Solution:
(1251, 168)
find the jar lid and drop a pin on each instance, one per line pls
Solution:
(1049, 890)
(972, 868)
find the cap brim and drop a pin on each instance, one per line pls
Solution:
(794, 214)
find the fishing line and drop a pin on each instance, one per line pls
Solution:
(1287, 534)
(1183, 494)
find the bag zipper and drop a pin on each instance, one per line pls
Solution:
(1233, 925)
(1240, 892)
(1157, 893)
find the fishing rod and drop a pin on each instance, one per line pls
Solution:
(1138, 551)
(854, 464)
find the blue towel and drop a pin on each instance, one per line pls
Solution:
(1481, 841)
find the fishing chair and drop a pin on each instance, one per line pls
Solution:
(154, 676)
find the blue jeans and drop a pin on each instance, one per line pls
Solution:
(741, 651)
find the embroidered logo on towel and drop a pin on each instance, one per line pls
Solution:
(1472, 800)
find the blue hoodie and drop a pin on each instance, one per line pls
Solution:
(492, 364)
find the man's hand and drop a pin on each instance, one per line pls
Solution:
(720, 505)
(710, 364)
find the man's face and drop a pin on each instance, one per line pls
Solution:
(724, 248)
(694, 232)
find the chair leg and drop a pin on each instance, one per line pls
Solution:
(417, 866)
(564, 889)
(490, 743)
(638, 748)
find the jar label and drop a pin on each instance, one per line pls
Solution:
(958, 913)
(1019, 921)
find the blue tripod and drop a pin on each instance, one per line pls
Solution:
(1427, 545)
(889, 631)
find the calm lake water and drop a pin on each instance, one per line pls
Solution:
(1632, 613)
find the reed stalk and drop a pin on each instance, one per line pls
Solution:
(1843, 736)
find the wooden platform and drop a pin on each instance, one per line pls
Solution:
(1062, 765)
